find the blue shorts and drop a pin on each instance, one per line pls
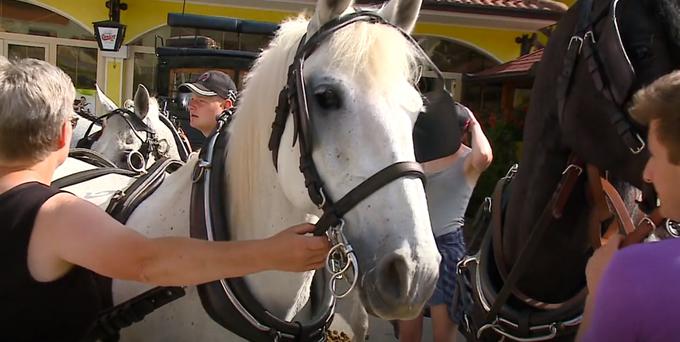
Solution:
(451, 246)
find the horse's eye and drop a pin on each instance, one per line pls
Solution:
(641, 52)
(327, 98)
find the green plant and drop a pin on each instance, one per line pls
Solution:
(504, 137)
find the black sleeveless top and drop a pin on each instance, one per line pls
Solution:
(60, 310)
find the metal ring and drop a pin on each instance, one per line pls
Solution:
(641, 147)
(333, 281)
(670, 229)
(578, 169)
(648, 221)
(135, 161)
(499, 330)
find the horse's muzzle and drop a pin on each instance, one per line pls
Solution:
(398, 288)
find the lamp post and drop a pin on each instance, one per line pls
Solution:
(110, 33)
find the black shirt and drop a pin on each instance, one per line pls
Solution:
(59, 310)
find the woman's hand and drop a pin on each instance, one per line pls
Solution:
(294, 251)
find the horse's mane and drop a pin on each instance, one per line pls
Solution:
(358, 49)
(669, 14)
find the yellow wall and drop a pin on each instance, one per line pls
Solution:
(145, 15)
(114, 80)
(500, 44)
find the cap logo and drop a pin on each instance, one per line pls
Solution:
(204, 77)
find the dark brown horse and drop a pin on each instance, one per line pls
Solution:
(601, 52)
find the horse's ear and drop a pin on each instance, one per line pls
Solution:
(326, 10)
(401, 13)
(107, 103)
(142, 101)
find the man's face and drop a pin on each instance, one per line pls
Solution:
(204, 111)
(663, 174)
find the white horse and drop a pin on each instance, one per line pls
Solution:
(363, 103)
(120, 140)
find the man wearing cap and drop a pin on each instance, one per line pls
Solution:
(213, 93)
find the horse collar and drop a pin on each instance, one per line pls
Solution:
(230, 302)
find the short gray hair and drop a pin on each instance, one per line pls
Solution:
(36, 98)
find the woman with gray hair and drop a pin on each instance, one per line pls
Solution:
(52, 243)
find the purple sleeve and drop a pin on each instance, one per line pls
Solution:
(617, 304)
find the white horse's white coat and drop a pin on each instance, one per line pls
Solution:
(370, 70)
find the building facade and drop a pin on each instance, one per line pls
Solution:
(461, 36)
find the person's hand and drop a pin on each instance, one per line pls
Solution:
(294, 251)
(467, 118)
(599, 261)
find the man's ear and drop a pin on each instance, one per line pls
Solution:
(227, 104)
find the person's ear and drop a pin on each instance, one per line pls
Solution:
(64, 134)
(227, 104)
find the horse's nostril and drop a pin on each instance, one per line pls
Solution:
(394, 278)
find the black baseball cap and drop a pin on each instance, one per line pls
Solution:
(212, 83)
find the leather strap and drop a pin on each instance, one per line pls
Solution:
(527, 252)
(124, 202)
(123, 315)
(183, 146)
(366, 188)
(86, 175)
(229, 302)
(90, 156)
(645, 227)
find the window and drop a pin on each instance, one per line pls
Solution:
(80, 63)
(145, 71)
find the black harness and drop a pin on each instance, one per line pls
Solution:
(138, 160)
(229, 302)
(613, 76)
(608, 63)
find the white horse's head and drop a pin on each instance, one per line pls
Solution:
(122, 140)
(363, 103)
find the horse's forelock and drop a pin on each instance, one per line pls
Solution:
(378, 54)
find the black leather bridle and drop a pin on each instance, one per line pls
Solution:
(135, 160)
(293, 101)
(609, 66)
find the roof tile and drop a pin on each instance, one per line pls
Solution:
(522, 64)
(537, 5)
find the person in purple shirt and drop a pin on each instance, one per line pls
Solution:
(633, 292)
